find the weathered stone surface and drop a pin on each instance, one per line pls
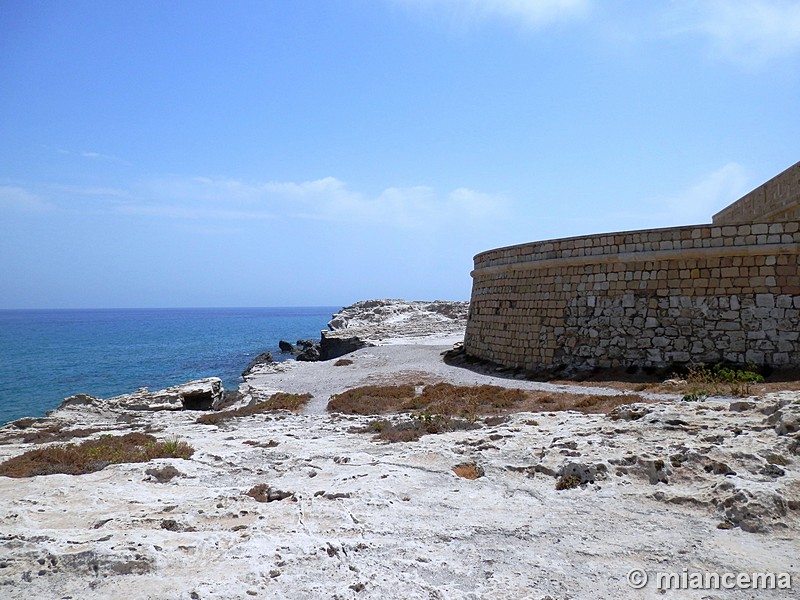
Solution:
(394, 517)
(785, 419)
(202, 394)
(81, 400)
(333, 346)
(262, 359)
(310, 353)
(374, 321)
(754, 511)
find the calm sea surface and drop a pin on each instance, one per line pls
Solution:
(47, 355)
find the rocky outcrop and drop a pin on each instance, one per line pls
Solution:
(401, 318)
(264, 358)
(376, 322)
(201, 394)
(310, 353)
(287, 347)
(333, 346)
(280, 505)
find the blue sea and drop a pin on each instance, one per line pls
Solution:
(47, 355)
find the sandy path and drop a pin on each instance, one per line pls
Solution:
(388, 365)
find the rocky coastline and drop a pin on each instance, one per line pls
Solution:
(546, 503)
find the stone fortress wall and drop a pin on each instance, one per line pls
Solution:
(726, 292)
(776, 200)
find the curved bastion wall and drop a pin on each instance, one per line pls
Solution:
(655, 298)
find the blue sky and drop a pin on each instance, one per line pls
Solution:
(300, 152)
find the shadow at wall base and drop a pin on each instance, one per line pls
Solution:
(631, 373)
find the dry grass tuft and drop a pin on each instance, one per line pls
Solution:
(43, 435)
(443, 407)
(279, 401)
(450, 400)
(441, 398)
(568, 482)
(343, 362)
(55, 434)
(93, 455)
(284, 401)
(371, 399)
(585, 403)
(411, 429)
(468, 470)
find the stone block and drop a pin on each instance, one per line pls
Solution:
(765, 300)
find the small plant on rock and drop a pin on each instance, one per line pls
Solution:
(567, 482)
(719, 379)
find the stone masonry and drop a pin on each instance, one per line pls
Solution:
(776, 200)
(655, 298)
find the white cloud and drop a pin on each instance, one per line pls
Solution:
(21, 200)
(326, 199)
(530, 13)
(99, 156)
(747, 32)
(418, 207)
(212, 201)
(716, 190)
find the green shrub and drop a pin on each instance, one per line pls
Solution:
(720, 379)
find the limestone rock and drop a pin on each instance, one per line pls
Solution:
(574, 474)
(201, 394)
(332, 346)
(754, 511)
(264, 358)
(629, 412)
(81, 400)
(786, 418)
(375, 320)
(395, 517)
(310, 354)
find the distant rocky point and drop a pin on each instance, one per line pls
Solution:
(375, 322)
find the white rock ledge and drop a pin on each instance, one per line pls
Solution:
(373, 520)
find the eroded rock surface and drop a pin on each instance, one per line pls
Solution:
(381, 321)
(279, 505)
(201, 394)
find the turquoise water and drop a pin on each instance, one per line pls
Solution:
(47, 355)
